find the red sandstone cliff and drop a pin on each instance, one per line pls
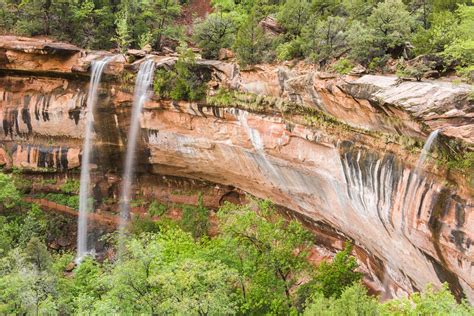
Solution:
(351, 176)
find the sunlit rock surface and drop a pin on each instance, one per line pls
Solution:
(411, 228)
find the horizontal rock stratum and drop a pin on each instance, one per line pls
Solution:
(338, 152)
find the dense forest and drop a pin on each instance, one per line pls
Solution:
(257, 264)
(434, 34)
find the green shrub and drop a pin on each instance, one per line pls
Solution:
(289, 50)
(9, 194)
(378, 63)
(342, 66)
(415, 71)
(144, 224)
(68, 200)
(157, 209)
(183, 82)
(195, 219)
(252, 45)
(333, 278)
(215, 32)
(71, 186)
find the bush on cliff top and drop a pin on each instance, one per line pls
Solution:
(183, 82)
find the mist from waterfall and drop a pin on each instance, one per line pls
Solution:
(426, 149)
(97, 69)
(140, 96)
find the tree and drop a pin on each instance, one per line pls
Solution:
(8, 16)
(354, 301)
(34, 225)
(122, 37)
(251, 43)
(212, 34)
(160, 15)
(428, 302)
(361, 43)
(195, 219)
(422, 9)
(9, 195)
(293, 15)
(37, 254)
(184, 81)
(269, 253)
(324, 39)
(390, 24)
(441, 33)
(462, 48)
(332, 278)
(196, 287)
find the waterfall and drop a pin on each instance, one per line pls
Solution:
(426, 149)
(416, 178)
(258, 145)
(140, 96)
(96, 74)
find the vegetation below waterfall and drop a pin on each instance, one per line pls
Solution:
(258, 264)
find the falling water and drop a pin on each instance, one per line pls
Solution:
(141, 94)
(258, 145)
(426, 149)
(416, 179)
(97, 70)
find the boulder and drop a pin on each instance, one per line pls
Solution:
(225, 54)
(138, 53)
(270, 26)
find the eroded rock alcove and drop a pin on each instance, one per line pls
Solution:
(338, 153)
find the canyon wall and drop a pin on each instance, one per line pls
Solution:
(338, 152)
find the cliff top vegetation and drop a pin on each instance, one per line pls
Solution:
(412, 37)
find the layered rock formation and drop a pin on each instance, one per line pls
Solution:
(326, 148)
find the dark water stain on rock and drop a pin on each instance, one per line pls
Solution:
(440, 209)
(25, 114)
(75, 115)
(445, 275)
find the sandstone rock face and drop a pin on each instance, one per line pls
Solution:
(376, 103)
(437, 104)
(410, 227)
(27, 54)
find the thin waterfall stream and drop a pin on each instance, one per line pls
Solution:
(140, 96)
(417, 180)
(426, 149)
(97, 69)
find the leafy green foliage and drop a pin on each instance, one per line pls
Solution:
(215, 32)
(184, 82)
(157, 209)
(293, 15)
(321, 31)
(343, 66)
(353, 301)
(333, 277)
(195, 219)
(428, 302)
(9, 195)
(122, 37)
(71, 186)
(254, 266)
(91, 23)
(71, 201)
(324, 39)
(268, 252)
(251, 44)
